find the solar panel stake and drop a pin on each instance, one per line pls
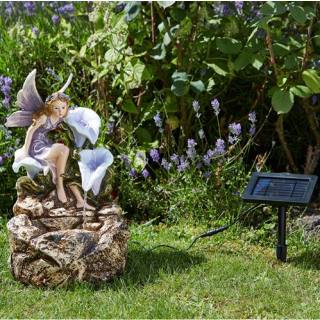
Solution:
(282, 247)
(281, 190)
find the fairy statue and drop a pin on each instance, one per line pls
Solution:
(38, 151)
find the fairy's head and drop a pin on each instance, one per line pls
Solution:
(57, 104)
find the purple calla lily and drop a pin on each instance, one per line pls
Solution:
(85, 124)
(93, 165)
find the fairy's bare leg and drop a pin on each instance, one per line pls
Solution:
(59, 155)
(80, 202)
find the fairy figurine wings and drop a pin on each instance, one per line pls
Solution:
(29, 102)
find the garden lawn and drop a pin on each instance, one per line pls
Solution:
(220, 277)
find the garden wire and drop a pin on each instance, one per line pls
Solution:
(202, 235)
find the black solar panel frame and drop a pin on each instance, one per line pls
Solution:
(280, 200)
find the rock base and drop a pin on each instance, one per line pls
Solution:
(55, 246)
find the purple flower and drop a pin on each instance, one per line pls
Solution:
(215, 105)
(175, 158)
(5, 90)
(55, 19)
(6, 102)
(9, 8)
(30, 7)
(110, 127)
(35, 31)
(125, 160)
(1, 160)
(252, 130)
(208, 157)
(145, 173)
(166, 165)
(220, 147)
(53, 74)
(239, 6)
(133, 173)
(154, 154)
(199, 165)
(235, 129)
(201, 134)
(314, 100)
(207, 174)
(157, 120)
(191, 143)
(68, 8)
(196, 106)
(184, 164)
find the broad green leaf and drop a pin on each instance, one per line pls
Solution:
(197, 86)
(298, 14)
(178, 14)
(143, 135)
(258, 62)
(229, 45)
(173, 122)
(158, 52)
(301, 91)
(312, 80)
(180, 87)
(220, 68)
(273, 8)
(112, 56)
(170, 104)
(291, 62)
(180, 75)
(132, 10)
(282, 101)
(165, 4)
(211, 84)
(243, 59)
(280, 49)
(129, 106)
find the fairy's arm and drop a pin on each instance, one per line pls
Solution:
(36, 124)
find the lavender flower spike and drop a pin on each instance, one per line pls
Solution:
(215, 105)
(93, 165)
(85, 124)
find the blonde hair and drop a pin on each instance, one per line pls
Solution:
(48, 105)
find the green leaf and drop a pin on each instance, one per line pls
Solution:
(280, 49)
(219, 67)
(143, 135)
(291, 62)
(282, 101)
(132, 10)
(243, 59)
(301, 91)
(229, 45)
(211, 84)
(177, 75)
(112, 56)
(312, 80)
(298, 14)
(180, 87)
(129, 106)
(158, 52)
(173, 122)
(178, 14)
(165, 4)
(140, 159)
(273, 8)
(197, 86)
(170, 104)
(83, 51)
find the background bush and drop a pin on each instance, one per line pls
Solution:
(152, 71)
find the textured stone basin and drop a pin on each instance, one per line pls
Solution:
(55, 246)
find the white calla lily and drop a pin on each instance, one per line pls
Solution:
(93, 165)
(85, 124)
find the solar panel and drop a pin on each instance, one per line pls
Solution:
(280, 188)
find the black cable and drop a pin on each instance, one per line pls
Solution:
(203, 235)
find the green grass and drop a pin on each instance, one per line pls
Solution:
(220, 277)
